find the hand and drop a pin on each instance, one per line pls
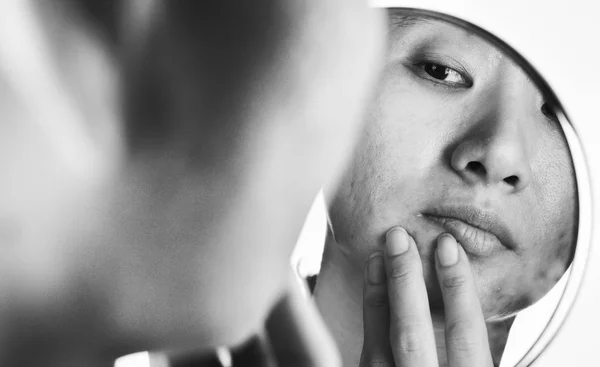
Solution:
(398, 330)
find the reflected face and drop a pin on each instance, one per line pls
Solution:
(459, 140)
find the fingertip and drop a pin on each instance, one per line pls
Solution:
(447, 251)
(394, 229)
(375, 254)
(397, 241)
(375, 271)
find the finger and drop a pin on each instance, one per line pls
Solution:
(411, 329)
(376, 350)
(466, 334)
(298, 335)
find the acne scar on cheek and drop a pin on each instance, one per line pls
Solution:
(565, 247)
(509, 300)
(547, 277)
(521, 302)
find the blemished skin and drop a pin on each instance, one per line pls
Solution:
(456, 124)
(412, 157)
(163, 212)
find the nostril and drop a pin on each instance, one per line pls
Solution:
(476, 168)
(512, 180)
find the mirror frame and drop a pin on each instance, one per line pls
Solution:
(576, 271)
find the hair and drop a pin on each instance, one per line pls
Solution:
(405, 18)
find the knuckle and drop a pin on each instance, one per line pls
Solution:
(376, 299)
(454, 285)
(379, 363)
(462, 337)
(408, 338)
(403, 271)
(464, 346)
(400, 274)
(371, 360)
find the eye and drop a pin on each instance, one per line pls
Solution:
(444, 74)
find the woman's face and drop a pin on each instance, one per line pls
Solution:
(460, 140)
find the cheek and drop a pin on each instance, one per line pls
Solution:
(549, 261)
(509, 284)
(366, 184)
(556, 189)
(352, 205)
(514, 283)
(503, 287)
(388, 173)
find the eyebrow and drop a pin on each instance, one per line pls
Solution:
(399, 19)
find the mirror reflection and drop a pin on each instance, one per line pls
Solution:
(459, 140)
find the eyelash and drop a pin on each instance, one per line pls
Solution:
(544, 108)
(423, 73)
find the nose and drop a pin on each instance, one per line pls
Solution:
(496, 155)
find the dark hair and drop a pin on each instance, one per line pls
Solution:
(404, 18)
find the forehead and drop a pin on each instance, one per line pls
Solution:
(420, 33)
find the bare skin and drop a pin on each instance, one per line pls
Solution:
(398, 327)
(458, 137)
(337, 282)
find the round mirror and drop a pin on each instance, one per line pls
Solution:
(464, 137)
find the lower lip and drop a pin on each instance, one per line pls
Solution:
(475, 241)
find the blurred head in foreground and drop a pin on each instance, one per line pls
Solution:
(160, 157)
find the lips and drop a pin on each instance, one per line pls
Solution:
(479, 232)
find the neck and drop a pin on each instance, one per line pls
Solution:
(338, 295)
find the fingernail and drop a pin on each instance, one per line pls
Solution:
(375, 269)
(447, 250)
(396, 241)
